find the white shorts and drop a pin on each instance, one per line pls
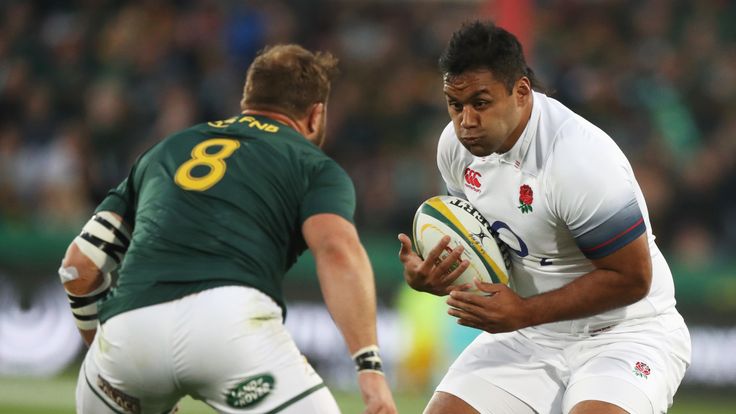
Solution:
(637, 365)
(225, 346)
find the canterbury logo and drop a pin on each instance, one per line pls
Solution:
(471, 178)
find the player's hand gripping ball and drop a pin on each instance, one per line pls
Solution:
(452, 216)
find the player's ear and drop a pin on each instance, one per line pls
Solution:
(316, 117)
(523, 89)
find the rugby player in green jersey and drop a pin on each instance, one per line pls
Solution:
(201, 234)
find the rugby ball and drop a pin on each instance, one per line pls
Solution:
(452, 216)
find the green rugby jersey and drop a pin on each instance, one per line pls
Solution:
(218, 204)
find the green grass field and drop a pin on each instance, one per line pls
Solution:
(56, 396)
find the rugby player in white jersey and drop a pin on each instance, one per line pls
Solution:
(588, 324)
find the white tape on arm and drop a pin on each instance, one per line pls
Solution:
(368, 359)
(67, 274)
(104, 240)
(84, 307)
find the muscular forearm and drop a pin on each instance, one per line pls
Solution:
(86, 266)
(346, 280)
(593, 293)
(619, 279)
(88, 278)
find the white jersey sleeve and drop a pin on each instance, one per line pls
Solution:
(592, 189)
(451, 161)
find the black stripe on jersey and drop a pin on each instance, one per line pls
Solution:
(623, 227)
(618, 241)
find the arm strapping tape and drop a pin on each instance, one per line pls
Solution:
(368, 359)
(104, 240)
(84, 307)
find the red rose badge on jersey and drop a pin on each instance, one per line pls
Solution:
(642, 370)
(526, 197)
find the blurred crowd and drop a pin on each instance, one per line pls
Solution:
(86, 85)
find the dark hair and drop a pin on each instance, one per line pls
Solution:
(288, 79)
(478, 45)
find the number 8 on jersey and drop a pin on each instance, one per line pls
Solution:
(215, 162)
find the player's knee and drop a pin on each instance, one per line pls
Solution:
(445, 403)
(605, 395)
(476, 397)
(597, 407)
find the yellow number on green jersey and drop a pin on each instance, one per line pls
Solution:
(215, 162)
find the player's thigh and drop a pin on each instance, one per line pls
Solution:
(606, 395)
(242, 359)
(506, 370)
(91, 400)
(96, 394)
(131, 356)
(271, 391)
(445, 403)
(498, 401)
(638, 371)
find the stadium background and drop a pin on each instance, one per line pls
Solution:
(86, 85)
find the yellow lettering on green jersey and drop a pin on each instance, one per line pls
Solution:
(223, 124)
(263, 126)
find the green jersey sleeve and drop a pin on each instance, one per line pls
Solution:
(330, 191)
(120, 200)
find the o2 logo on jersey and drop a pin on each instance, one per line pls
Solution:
(519, 247)
(472, 179)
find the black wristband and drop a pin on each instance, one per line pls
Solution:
(368, 359)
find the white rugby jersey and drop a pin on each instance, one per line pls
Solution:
(562, 195)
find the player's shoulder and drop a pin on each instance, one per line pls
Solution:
(579, 150)
(571, 132)
(571, 137)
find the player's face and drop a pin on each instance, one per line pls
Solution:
(486, 117)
